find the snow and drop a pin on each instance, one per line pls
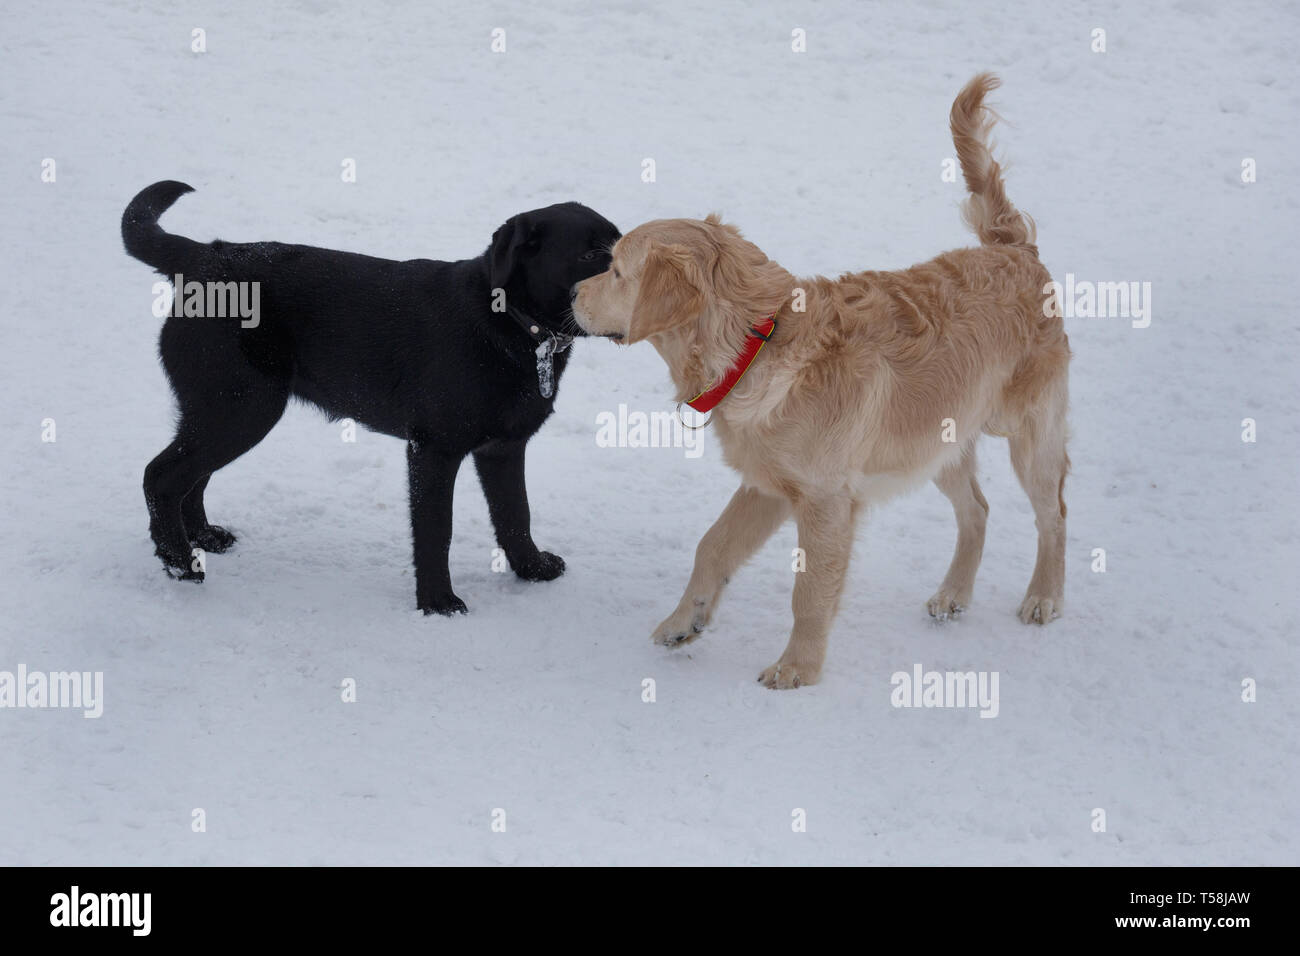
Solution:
(227, 696)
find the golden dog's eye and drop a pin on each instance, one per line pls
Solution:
(616, 275)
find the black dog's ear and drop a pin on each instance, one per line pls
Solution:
(518, 236)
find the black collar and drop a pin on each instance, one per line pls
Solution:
(536, 331)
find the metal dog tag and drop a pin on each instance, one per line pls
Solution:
(546, 353)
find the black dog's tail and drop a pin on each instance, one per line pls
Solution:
(146, 240)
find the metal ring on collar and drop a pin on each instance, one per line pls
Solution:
(693, 428)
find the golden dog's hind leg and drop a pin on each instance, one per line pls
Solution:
(826, 538)
(745, 524)
(958, 482)
(1041, 463)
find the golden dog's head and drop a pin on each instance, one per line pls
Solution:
(692, 286)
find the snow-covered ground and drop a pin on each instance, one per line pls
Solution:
(226, 697)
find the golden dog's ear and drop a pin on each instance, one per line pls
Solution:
(669, 295)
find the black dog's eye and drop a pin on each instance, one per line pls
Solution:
(590, 256)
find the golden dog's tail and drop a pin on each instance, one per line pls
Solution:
(987, 210)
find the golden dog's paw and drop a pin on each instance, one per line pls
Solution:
(946, 604)
(681, 628)
(1039, 609)
(787, 675)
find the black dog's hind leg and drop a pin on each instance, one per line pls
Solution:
(432, 476)
(501, 471)
(210, 537)
(212, 433)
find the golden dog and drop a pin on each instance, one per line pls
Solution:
(882, 381)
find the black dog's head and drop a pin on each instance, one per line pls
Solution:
(538, 257)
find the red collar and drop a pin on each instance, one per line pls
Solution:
(759, 334)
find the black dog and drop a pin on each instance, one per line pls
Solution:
(456, 358)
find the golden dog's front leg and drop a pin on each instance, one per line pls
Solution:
(748, 520)
(826, 537)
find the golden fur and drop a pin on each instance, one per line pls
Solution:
(853, 398)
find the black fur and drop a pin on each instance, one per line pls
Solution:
(410, 349)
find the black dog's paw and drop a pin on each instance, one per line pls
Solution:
(544, 567)
(213, 539)
(447, 605)
(182, 573)
(179, 568)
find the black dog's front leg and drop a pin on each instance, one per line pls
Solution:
(432, 482)
(501, 471)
